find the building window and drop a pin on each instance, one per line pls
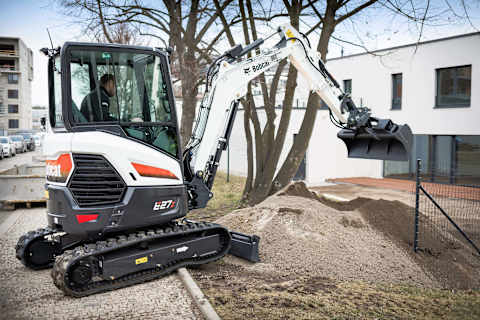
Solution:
(453, 87)
(396, 91)
(12, 94)
(445, 159)
(347, 86)
(13, 78)
(13, 123)
(13, 108)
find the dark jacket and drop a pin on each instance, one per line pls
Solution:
(95, 108)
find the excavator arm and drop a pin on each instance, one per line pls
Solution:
(226, 83)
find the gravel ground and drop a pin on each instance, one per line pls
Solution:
(304, 236)
(26, 294)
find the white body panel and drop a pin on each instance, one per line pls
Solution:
(120, 152)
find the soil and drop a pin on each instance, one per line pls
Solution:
(300, 233)
(352, 258)
(449, 260)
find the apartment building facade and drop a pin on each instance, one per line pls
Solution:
(16, 76)
(433, 86)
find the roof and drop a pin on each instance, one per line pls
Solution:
(9, 38)
(464, 35)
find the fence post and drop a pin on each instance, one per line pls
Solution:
(417, 198)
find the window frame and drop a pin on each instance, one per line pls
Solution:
(394, 106)
(115, 127)
(17, 122)
(12, 105)
(351, 86)
(12, 90)
(437, 87)
(12, 75)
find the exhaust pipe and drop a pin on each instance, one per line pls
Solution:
(383, 141)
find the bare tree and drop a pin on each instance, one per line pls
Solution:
(265, 174)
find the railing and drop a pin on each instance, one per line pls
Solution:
(8, 52)
(3, 109)
(7, 68)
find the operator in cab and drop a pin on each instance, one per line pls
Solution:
(96, 105)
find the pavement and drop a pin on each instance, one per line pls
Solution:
(19, 159)
(27, 294)
(438, 189)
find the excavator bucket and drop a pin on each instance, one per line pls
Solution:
(384, 141)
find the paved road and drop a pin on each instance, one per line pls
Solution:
(26, 294)
(19, 159)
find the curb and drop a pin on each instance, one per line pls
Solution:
(197, 295)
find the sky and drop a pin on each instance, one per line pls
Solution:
(29, 20)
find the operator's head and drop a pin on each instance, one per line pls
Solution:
(108, 82)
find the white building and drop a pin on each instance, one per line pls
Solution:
(431, 87)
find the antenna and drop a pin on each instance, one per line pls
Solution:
(51, 42)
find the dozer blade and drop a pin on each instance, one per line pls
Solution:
(384, 141)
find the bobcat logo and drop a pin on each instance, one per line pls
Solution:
(246, 70)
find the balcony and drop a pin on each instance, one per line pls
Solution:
(9, 53)
(8, 69)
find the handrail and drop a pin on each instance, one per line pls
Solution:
(9, 52)
(8, 67)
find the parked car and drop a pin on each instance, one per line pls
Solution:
(28, 138)
(7, 146)
(20, 143)
(38, 140)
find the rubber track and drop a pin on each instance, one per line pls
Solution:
(23, 243)
(60, 271)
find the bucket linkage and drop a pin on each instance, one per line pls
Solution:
(368, 137)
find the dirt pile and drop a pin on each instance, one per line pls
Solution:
(449, 259)
(300, 234)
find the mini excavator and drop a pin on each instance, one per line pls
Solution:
(118, 182)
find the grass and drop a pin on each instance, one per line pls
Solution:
(236, 297)
(226, 198)
(238, 293)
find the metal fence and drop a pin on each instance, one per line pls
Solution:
(447, 217)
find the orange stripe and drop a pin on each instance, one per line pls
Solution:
(154, 172)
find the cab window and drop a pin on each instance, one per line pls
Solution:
(55, 93)
(124, 88)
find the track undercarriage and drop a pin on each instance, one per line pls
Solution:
(124, 259)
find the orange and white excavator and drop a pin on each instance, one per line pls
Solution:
(119, 183)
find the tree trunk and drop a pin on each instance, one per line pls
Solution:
(264, 178)
(300, 145)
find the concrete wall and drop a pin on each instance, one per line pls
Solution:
(371, 77)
